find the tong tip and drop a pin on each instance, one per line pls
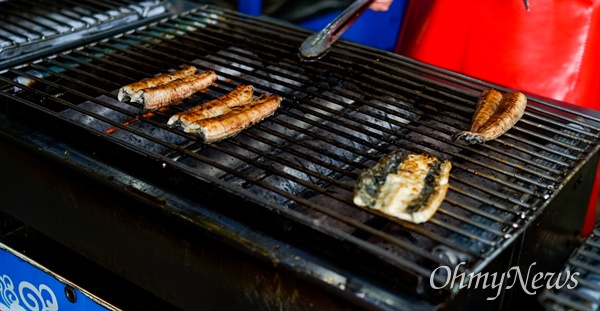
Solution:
(526, 4)
(314, 47)
(310, 58)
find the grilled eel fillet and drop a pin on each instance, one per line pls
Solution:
(487, 103)
(407, 186)
(133, 91)
(236, 120)
(175, 91)
(494, 117)
(241, 95)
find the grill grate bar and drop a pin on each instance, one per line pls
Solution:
(77, 71)
(463, 232)
(16, 31)
(323, 178)
(508, 184)
(588, 129)
(75, 107)
(474, 223)
(63, 76)
(132, 54)
(589, 284)
(40, 68)
(417, 87)
(301, 143)
(35, 25)
(587, 297)
(100, 51)
(584, 266)
(312, 159)
(58, 9)
(99, 59)
(589, 255)
(329, 141)
(333, 130)
(86, 64)
(485, 200)
(491, 217)
(560, 133)
(536, 167)
(77, 5)
(593, 243)
(46, 14)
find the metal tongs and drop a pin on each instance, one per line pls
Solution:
(317, 45)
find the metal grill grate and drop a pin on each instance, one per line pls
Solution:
(31, 25)
(339, 116)
(584, 295)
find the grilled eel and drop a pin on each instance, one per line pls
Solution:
(494, 117)
(487, 103)
(133, 91)
(241, 95)
(175, 91)
(404, 185)
(236, 120)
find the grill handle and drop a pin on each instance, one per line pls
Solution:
(317, 45)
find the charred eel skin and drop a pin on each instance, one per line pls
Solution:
(486, 105)
(240, 96)
(494, 117)
(175, 91)
(236, 120)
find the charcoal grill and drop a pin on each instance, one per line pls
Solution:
(281, 190)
